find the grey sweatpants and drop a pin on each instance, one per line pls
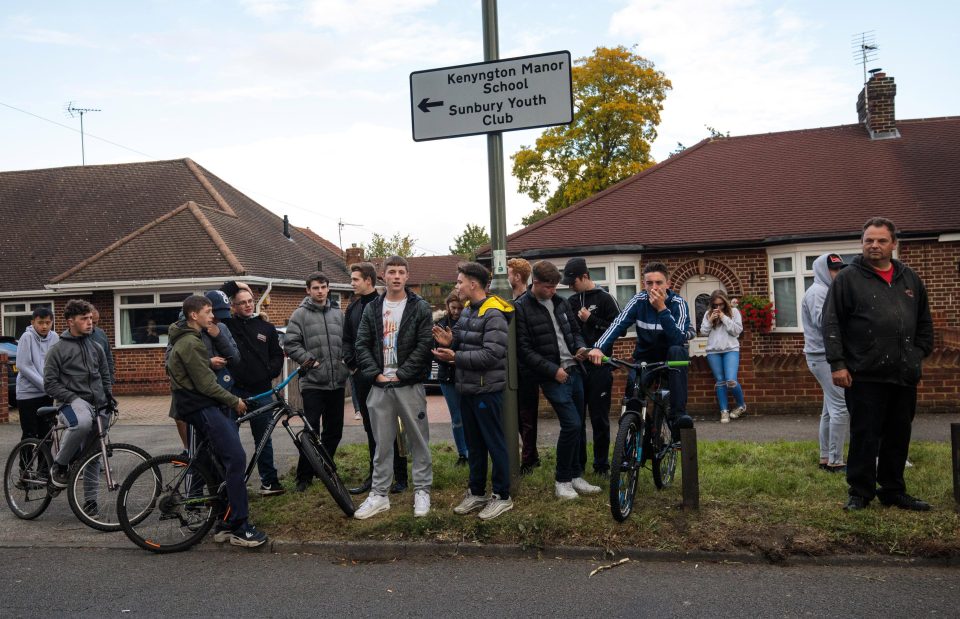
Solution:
(409, 403)
(834, 419)
(78, 417)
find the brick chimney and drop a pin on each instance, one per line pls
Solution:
(354, 255)
(875, 109)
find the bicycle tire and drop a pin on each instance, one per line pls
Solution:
(625, 466)
(96, 508)
(317, 456)
(27, 490)
(166, 519)
(665, 467)
(660, 446)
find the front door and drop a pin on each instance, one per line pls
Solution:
(696, 292)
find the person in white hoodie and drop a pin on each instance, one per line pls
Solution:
(31, 354)
(722, 325)
(834, 418)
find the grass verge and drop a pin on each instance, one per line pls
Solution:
(760, 497)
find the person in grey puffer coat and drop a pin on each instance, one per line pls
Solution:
(478, 350)
(834, 418)
(315, 338)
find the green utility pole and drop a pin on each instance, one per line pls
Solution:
(498, 243)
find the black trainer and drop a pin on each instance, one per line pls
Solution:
(905, 501)
(855, 503)
(462, 461)
(272, 489)
(398, 487)
(302, 485)
(364, 487)
(59, 476)
(248, 536)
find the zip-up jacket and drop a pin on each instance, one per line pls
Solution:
(414, 341)
(811, 310)
(192, 380)
(603, 311)
(315, 333)
(656, 331)
(351, 323)
(260, 354)
(76, 367)
(31, 354)
(538, 352)
(446, 372)
(480, 345)
(879, 332)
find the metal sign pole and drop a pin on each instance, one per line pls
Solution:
(498, 243)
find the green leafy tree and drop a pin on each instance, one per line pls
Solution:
(473, 238)
(382, 247)
(618, 96)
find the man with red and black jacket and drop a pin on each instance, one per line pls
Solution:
(877, 329)
(261, 362)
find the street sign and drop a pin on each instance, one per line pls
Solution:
(483, 97)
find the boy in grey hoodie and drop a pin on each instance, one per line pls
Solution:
(32, 351)
(834, 419)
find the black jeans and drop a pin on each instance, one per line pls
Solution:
(399, 462)
(881, 415)
(676, 380)
(483, 425)
(597, 385)
(528, 401)
(220, 429)
(30, 426)
(325, 405)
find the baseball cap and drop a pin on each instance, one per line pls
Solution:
(221, 304)
(574, 268)
(835, 262)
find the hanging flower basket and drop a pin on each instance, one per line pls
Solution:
(757, 313)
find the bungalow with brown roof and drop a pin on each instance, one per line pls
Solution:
(431, 277)
(750, 214)
(135, 239)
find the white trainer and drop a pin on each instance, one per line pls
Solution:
(724, 416)
(564, 490)
(421, 503)
(582, 486)
(471, 503)
(373, 505)
(495, 507)
(738, 412)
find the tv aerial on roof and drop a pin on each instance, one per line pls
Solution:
(340, 226)
(865, 50)
(73, 111)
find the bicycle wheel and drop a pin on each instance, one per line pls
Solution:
(91, 498)
(167, 504)
(317, 456)
(664, 456)
(625, 466)
(26, 479)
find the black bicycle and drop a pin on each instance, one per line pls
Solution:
(94, 476)
(643, 433)
(182, 497)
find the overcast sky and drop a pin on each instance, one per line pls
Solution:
(305, 104)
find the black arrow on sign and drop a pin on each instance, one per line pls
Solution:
(425, 107)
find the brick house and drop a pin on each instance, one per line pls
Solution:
(750, 214)
(135, 239)
(431, 277)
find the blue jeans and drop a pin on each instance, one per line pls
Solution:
(482, 419)
(567, 400)
(452, 396)
(724, 367)
(219, 428)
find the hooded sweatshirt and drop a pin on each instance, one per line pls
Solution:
(76, 367)
(315, 333)
(31, 355)
(811, 310)
(193, 381)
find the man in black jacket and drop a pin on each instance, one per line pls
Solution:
(261, 362)
(393, 352)
(877, 329)
(363, 278)
(595, 309)
(549, 350)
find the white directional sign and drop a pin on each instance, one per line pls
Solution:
(503, 95)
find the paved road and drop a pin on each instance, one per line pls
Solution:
(97, 583)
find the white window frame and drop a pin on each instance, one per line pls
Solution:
(119, 307)
(799, 254)
(29, 303)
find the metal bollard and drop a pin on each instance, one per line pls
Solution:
(955, 443)
(690, 470)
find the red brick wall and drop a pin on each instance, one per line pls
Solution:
(4, 388)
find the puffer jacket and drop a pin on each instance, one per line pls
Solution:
(537, 349)
(480, 342)
(77, 367)
(315, 333)
(414, 341)
(879, 332)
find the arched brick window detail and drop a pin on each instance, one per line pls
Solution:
(707, 266)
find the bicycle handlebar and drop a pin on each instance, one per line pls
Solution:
(280, 386)
(644, 365)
